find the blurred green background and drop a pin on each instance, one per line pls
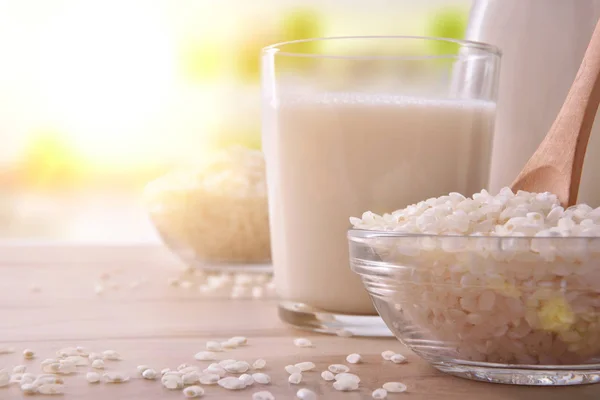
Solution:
(99, 97)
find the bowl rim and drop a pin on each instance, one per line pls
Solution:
(489, 50)
(355, 234)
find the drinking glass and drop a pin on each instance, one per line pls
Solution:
(355, 124)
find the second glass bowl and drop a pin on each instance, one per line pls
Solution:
(499, 309)
(215, 215)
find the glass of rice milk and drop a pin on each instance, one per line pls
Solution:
(364, 123)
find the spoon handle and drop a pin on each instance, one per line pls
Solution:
(560, 156)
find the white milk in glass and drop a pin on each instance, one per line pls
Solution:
(334, 156)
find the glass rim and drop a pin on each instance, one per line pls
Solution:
(365, 234)
(491, 50)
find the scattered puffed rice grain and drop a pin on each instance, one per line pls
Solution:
(191, 379)
(353, 358)
(213, 346)
(19, 369)
(239, 292)
(379, 393)
(193, 392)
(48, 378)
(115, 377)
(60, 368)
(111, 355)
(28, 388)
(347, 376)
(186, 285)
(182, 366)
(306, 394)
(95, 356)
(205, 356)
(216, 370)
(173, 373)
(387, 355)
(66, 368)
(28, 354)
(149, 374)
(398, 359)
(257, 292)
(231, 383)
(209, 379)
(305, 366)
(44, 378)
(229, 345)
(51, 368)
(344, 333)
(239, 340)
(238, 367)
(224, 363)
(82, 351)
(345, 385)
(51, 388)
(142, 368)
(328, 375)
(338, 368)
(264, 395)
(395, 387)
(92, 377)
(302, 342)
(191, 368)
(7, 350)
(261, 378)
(98, 289)
(79, 361)
(292, 369)
(205, 289)
(247, 379)
(259, 364)
(172, 382)
(295, 378)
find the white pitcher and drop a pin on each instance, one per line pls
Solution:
(543, 42)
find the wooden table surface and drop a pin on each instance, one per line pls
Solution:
(164, 326)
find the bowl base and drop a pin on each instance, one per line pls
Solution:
(564, 375)
(305, 317)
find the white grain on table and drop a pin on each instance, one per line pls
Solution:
(163, 326)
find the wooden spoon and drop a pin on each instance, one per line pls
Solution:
(557, 163)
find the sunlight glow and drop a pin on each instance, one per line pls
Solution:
(105, 69)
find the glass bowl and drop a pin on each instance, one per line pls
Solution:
(517, 310)
(214, 215)
(216, 249)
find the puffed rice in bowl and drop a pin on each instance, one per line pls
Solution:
(214, 214)
(489, 304)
